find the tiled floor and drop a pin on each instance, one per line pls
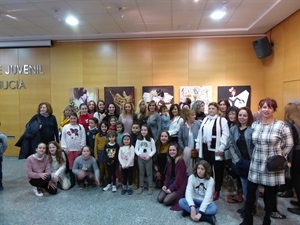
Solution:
(92, 206)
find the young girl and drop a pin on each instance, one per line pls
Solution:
(126, 117)
(100, 114)
(58, 162)
(86, 169)
(126, 160)
(100, 141)
(39, 171)
(84, 116)
(175, 181)
(111, 160)
(112, 123)
(73, 139)
(145, 149)
(111, 111)
(160, 158)
(120, 133)
(198, 201)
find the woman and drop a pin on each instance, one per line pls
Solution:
(91, 107)
(223, 105)
(154, 120)
(141, 113)
(176, 121)
(198, 201)
(175, 179)
(212, 141)
(241, 147)
(48, 129)
(100, 113)
(111, 111)
(126, 117)
(65, 118)
(187, 134)
(160, 158)
(270, 137)
(198, 106)
(292, 117)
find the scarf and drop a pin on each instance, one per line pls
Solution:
(44, 114)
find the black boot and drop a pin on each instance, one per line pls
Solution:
(72, 179)
(248, 219)
(267, 221)
(209, 219)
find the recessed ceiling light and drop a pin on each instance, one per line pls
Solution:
(218, 14)
(71, 20)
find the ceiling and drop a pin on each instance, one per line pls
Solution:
(101, 19)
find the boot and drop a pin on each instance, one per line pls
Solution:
(267, 221)
(216, 195)
(72, 179)
(248, 220)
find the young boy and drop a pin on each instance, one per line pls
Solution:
(165, 118)
(3, 147)
(91, 133)
(111, 152)
(135, 130)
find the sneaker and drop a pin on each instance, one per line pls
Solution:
(114, 188)
(184, 213)
(150, 191)
(140, 190)
(277, 215)
(38, 191)
(130, 191)
(123, 192)
(107, 187)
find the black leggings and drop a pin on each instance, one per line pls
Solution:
(127, 175)
(218, 166)
(43, 184)
(167, 199)
(270, 199)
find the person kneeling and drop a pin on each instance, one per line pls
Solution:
(86, 169)
(39, 172)
(198, 201)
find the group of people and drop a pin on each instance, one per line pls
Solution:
(154, 146)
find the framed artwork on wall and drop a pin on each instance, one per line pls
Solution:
(119, 96)
(78, 95)
(203, 93)
(157, 93)
(238, 96)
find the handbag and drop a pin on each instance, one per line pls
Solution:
(276, 163)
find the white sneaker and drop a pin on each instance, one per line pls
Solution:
(114, 188)
(107, 187)
(38, 192)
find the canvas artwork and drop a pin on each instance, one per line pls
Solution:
(157, 93)
(238, 96)
(195, 93)
(119, 96)
(80, 95)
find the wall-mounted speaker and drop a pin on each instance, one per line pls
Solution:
(262, 47)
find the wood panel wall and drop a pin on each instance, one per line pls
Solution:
(177, 62)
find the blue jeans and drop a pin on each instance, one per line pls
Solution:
(211, 209)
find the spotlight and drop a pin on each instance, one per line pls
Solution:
(220, 13)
